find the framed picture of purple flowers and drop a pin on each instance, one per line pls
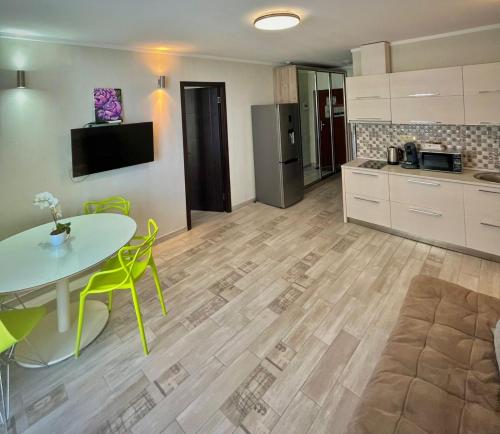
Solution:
(108, 104)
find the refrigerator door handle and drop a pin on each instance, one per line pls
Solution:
(290, 161)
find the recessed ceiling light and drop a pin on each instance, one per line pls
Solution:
(277, 21)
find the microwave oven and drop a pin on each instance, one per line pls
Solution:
(443, 161)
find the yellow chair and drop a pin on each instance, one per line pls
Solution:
(15, 325)
(111, 204)
(122, 272)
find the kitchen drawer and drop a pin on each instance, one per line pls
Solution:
(428, 110)
(368, 87)
(367, 183)
(369, 110)
(369, 209)
(481, 201)
(428, 82)
(426, 192)
(435, 224)
(483, 233)
(482, 109)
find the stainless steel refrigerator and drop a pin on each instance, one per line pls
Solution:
(279, 179)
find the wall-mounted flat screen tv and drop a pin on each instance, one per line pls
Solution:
(98, 149)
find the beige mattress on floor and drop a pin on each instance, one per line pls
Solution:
(438, 372)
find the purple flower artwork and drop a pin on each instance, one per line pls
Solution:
(107, 104)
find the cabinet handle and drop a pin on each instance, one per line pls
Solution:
(425, 122)
(491, 225)
(368, 97)
(366, 200)
(365, 174)
(421, 211)
(423, 94)
(433, 184)
(367, 119)
(489, 191)
(490, 91)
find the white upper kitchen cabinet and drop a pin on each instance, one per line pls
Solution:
(368, 87)
(369, 110)
(482, 94)
(368, 98)
(483, 78)
(428, 110)
(428, 82)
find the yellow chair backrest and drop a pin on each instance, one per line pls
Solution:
(6, 339)
(111, 204)
(130, 255)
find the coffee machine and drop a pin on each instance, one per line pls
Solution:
(410, 156)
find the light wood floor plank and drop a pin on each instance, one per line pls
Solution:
(207, 403)
(325, 374)
(283, 390)
(298, 417)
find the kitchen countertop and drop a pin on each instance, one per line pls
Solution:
(465, 177)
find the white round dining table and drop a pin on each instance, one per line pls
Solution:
(28, 261)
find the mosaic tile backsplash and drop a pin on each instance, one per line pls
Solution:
(479, 144)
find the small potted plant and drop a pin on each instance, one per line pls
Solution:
(61, 231)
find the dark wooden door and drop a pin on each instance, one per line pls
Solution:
(325, 138)
(339, 136)
(204, 146)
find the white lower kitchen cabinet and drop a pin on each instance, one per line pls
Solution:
(367, 183)
(482, 218)
(369, 209)
(441, 208)
(434, 224)
(483, 234)
(423, 192)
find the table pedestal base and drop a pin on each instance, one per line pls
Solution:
(48, 345)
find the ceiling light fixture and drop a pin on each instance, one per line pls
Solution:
(277, 21)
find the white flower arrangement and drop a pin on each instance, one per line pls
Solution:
(47, 200)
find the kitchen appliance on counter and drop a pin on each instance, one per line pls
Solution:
(442, 161)
(394, 155)
(410, 156)
(279, 180)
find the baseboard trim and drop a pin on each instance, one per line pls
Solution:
(170, 235)
(242, 204)
(442, 244)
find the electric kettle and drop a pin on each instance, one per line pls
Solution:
(394, 154)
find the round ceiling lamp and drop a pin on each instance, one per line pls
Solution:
(277, 21)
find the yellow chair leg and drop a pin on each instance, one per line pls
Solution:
(110, 300)
(139, 320)
(81, 311)
(158, 286)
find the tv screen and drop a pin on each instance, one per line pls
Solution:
(98, 149)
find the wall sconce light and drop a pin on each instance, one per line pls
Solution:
(21, 79)
(162, 82)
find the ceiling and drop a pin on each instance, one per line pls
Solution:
(223, 28)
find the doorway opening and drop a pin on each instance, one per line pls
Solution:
(206, 158)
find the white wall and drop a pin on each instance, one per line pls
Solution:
(35, 124)
(457, 50)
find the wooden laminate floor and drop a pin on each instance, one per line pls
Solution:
(276, 320)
